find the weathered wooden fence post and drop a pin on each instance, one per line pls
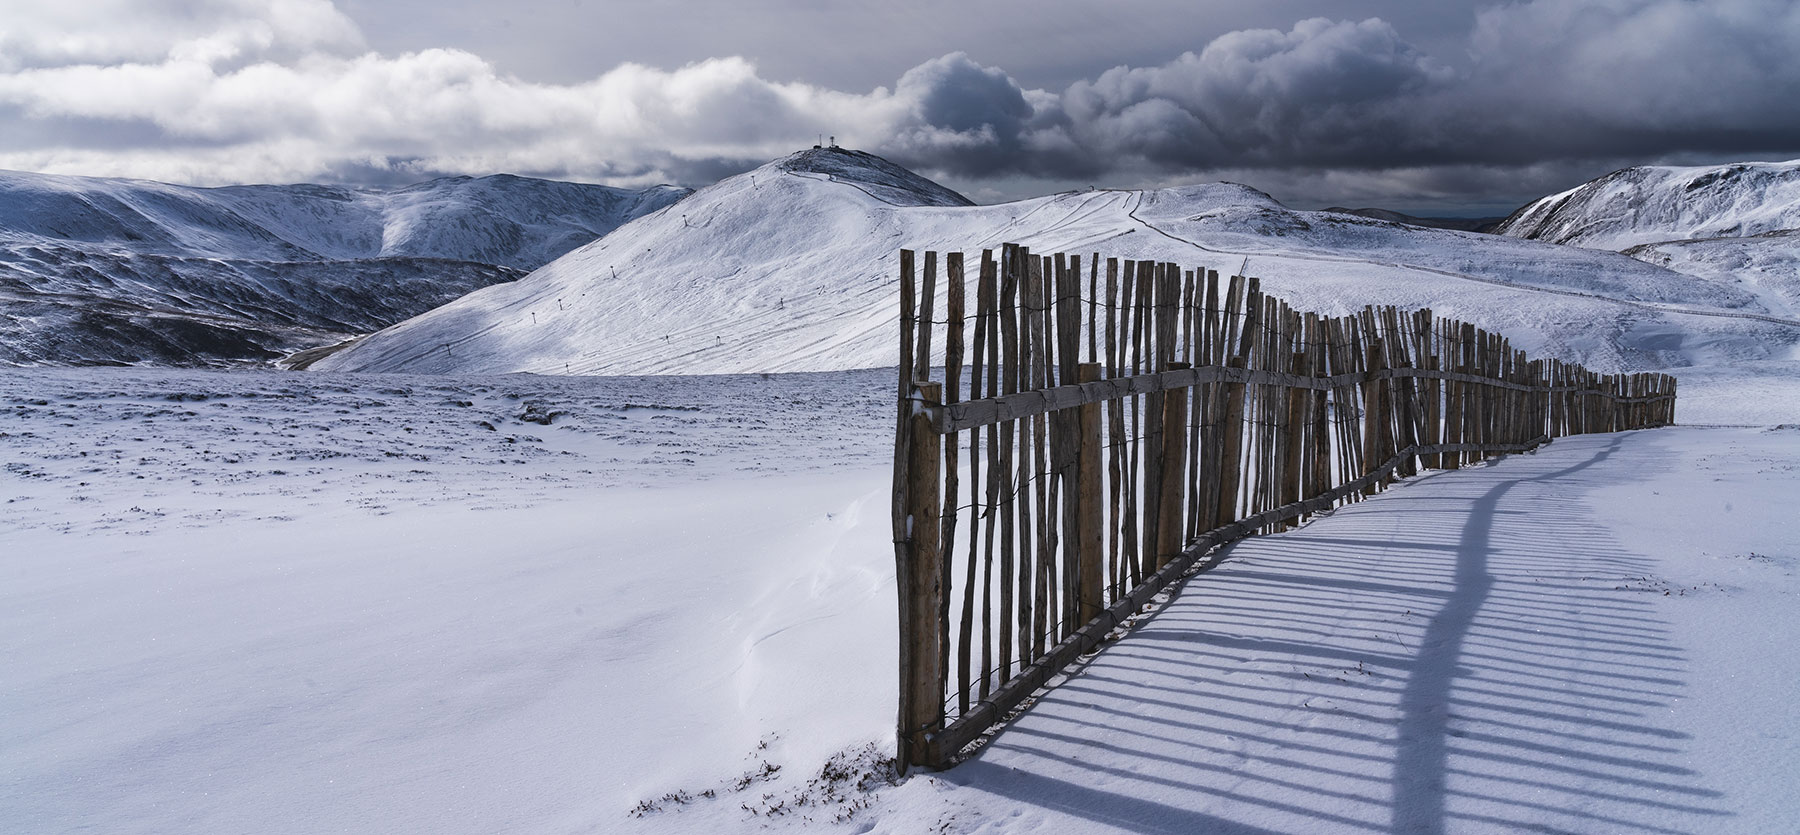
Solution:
(1090, 524)
(902, 510)
(922, 674)
(954, 300)
(1231, 446)
(1374, 415)
(1294, 437)
(1172, 520)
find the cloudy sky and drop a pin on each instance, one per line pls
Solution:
(1430, 106)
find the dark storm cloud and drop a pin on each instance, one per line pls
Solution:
(958, 96)
(1322, 93)
(1555, 80)
(973, 121)
(1568, 78)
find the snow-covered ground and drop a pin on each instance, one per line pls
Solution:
(279, 602)
(325, 602)
(264, 602)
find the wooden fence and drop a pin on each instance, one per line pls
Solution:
(1046, 499)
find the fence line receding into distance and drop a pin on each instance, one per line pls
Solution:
(1119, 423)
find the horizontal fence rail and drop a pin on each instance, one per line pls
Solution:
(1114, 437)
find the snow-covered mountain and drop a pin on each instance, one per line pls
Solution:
(1651, 204)
(97, 270)
(1734, 226)
(791, 267)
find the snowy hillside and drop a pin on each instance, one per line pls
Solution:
(1767, 264)
(1649, 204)
(106, 271)
(511, 221)
(791, 267)
(1735, 226)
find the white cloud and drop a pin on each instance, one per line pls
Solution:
(213, 91)
(45, 33)
(446, 111)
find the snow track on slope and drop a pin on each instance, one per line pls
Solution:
(1514, 285)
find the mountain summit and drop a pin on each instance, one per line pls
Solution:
(881, 179)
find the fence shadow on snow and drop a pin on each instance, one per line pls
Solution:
(1527, 686)
(1112, 438)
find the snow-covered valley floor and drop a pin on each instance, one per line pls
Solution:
(266, 602)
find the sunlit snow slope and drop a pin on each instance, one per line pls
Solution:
(1735, 226)
(109, 271)
(792, 267)
(1649, 204)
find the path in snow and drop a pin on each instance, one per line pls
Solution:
(1595, 638)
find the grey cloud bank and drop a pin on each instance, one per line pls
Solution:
(1535, 96)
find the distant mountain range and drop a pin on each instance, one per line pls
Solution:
(792, 267)
(1463, 224)
(125, 271)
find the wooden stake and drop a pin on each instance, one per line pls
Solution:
(1009, 486)
(988, 305)
(1090, 538)
(927, 299)
(953, 365)
(1170, 520)
(1231, 447)
(922, 681)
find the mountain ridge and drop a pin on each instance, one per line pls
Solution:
(1462, 224)
(1651, 204)
(309, 221)
(790, 270)
(112, 270)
